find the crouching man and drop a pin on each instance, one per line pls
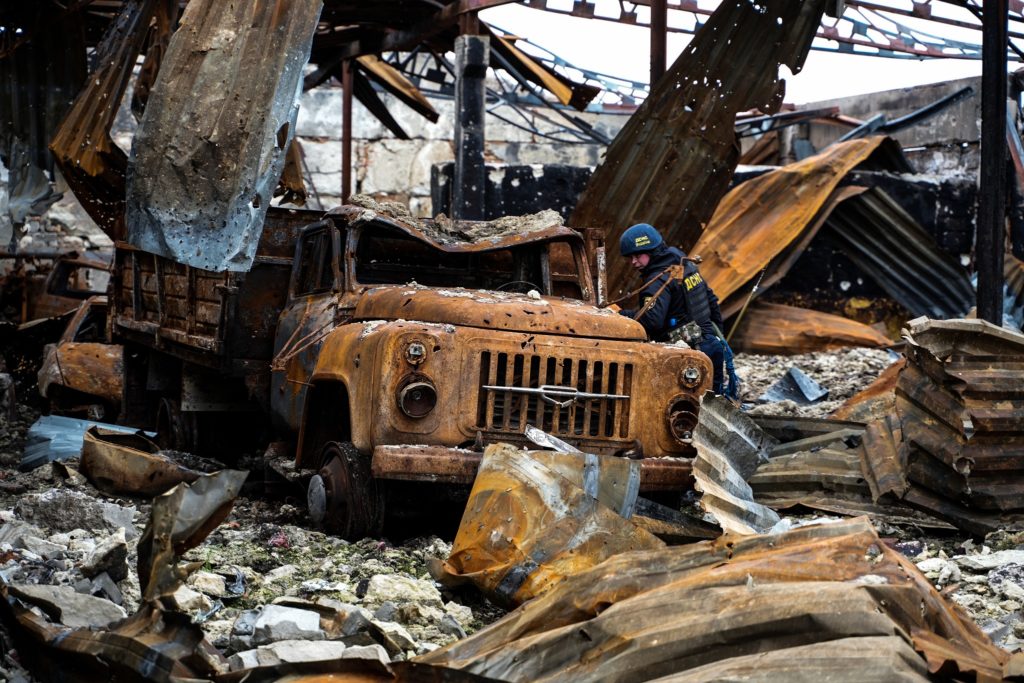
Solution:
(675, 302)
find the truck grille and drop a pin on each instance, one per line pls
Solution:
(511, 411)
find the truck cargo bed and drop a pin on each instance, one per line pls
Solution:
(221, 320)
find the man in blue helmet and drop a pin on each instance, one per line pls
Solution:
(675, 302)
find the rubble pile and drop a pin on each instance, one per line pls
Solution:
(843, 373)
(263, 589)
(985, 579)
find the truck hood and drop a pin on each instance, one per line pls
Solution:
(495, 311)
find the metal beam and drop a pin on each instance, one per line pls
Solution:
(659, 39)
(991, 224)
(346, 130)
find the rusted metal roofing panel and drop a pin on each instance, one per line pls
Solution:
(212, 143)
(767, 221)
(683, 613)
(781, 329)
(891, 247)
(93, 166)
(729, 449)
(674, 158)
(450, 235)
(874, 402)
(955, 443)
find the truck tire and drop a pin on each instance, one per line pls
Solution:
(343, 496)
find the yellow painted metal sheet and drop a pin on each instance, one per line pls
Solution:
(526, 528)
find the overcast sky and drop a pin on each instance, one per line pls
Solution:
(621, 50)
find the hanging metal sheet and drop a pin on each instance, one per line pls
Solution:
(93, 166)
(212, 143)
(674, 158)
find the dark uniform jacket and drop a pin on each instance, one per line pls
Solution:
(680, 302)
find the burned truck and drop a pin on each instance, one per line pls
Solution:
(387, 348)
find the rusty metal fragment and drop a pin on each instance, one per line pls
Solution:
(198, 193)
(832, 600)
(768, 221)
(730, 447)
(93, 166)
(952, 446)
(527, 527)
(179, 521)
(129, 464)
(151, 645)
(877, 400)
(674, 158)
(781, 329)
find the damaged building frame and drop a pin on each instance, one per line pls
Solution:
(634, 525)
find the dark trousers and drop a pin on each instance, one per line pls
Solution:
(713, 348)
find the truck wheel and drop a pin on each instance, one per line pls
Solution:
(343, 496)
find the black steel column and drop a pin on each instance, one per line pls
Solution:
(659, 39)
(471, 56)
(346, 131)
(988, 246)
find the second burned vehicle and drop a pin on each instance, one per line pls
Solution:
(386, 348)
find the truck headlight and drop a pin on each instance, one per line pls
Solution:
(417, 397)
(682, 418)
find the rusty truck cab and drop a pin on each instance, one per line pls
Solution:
(405, 347)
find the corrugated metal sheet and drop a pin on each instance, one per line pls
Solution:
(729, 449)
(93, 166)
(674, 158)
(767, 221)
(828, 602)
(199, 193)
(900, 256)
(781, 329)
(955, 445)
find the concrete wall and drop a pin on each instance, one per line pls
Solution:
(946, 144)
(400, 170)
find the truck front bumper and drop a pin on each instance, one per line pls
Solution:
(445, 465)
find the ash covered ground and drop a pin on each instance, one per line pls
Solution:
(57, 530)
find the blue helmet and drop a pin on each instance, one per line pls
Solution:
(639, 238)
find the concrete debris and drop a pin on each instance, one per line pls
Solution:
(401, 589)
(844, 372)
(111, 556)
(64, 510)
(292, 651)
(184, 599)
(65, 606)
(274, 623)
(208, 583)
